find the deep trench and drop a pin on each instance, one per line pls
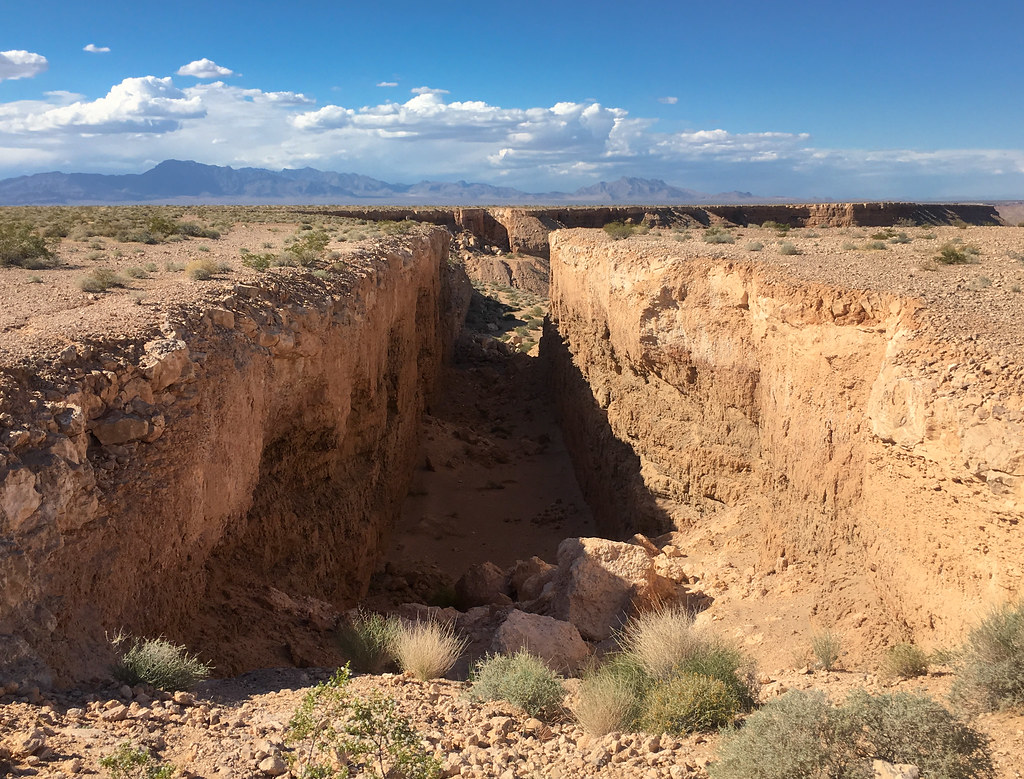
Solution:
(494, 481)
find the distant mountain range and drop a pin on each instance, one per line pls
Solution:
(184, 182)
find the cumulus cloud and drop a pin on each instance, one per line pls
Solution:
(668, 100)
(146, 105)
(18, 63)
(204, 68)
(387, 83)
(92, 48)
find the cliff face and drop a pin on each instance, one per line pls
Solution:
(822, 415)
(236, 470)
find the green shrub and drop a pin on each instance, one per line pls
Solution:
(788, 248)
(202, 269)
(310, 247)
(687, 702)
(990, 667)
(777, 226)
(611, 697)
(427, 650)
(522, 679)
(158, 662)
(22, 246)
(620, 230)
(258, 262)
(827, 648)
(900, 238)
(904, 661)
(333, 734)
(136, 273)
(100, 280)
(953, 253)
(800, 736)
(718, 235)
(720, 660)
(366, 640)
(129, 762)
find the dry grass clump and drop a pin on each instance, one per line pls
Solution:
(904, 661)
(957, 253)
(427, 650)
(202, 269)
(827, 648)
(611, 698)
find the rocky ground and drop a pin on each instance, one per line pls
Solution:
(495, 486)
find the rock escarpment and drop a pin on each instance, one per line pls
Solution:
(846, 432)
(226, 477)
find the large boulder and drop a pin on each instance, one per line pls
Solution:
(555, 642)
(600, 583)
(482, 584)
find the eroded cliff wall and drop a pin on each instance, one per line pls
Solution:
(848, 433)
(225, 481)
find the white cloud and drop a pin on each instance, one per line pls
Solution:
(668, 100)
(21, 64)
(387, 83)
(92, 48)
(146, 105)
(204, 68)
(142, 120)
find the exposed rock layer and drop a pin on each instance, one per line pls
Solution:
(691, 387)
(212, 481)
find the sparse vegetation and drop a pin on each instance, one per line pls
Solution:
(827, 648)
(522, 679)
(335, 734)
(611, 697)
(779, 227)
(201, 269)
(427, 650)
(801, 736)
(788, 248)
(754, 246)
(955, 253)
(687, 702)
(157, 662)
(309, 247)
(366, 639)
(22, 246)
(904, 661)
(876, 245)
(130, 762)
(718, 235)
(101, 280)
(620, 230)
(990, 667)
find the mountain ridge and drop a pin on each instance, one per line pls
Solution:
(187, 181)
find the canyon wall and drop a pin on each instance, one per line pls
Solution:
(845, 431)
(227, 480)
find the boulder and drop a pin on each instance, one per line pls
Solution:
(555, 642)
(884, 770)
(483, 584)
(119, 428)
(527, 578)
(600, 583)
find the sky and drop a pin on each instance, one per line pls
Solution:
(870, 100)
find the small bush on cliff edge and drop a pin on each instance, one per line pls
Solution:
(157, 662)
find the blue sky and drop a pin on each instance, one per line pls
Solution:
(869, 100)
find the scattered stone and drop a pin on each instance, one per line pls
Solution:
(274, 765)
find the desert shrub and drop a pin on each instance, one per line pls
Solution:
(801, 736)
(953, 253)
(904, 661)
(310, 247)
(990, 666)
(687, 702)
(366, 640)
(777, 226)
(100, 280)
(883, 235)
(659, 640)
(22, 246)
(876, 245)
(522, 679)
(130, 762)
(900, 237)
(334, 734)
(718, 659)
(611, 697)
(788, 248)
(620, 230)
(718, 235)
(908, 728)
(427, 649)
(136, 273)
(196, 231)
(848, 246)
(258, 262)
(202, 269)
(157, 662)
(754, 246)
(827, 648)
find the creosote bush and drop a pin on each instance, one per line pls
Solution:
(427, 650)
(801, 736)
(130, 762)
(904, 661)
(157, 662)
(366, 640)
(990, 666)
(309, 247)
(336, 734)
(522, 679)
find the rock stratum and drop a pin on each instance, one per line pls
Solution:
(224, 476)
(854, 431)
